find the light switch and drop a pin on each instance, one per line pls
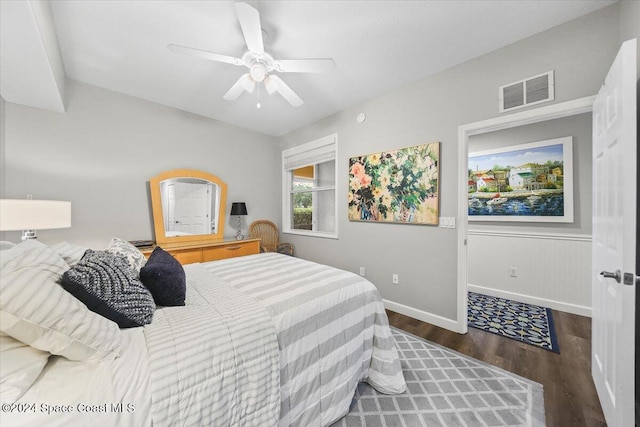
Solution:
(447, 222)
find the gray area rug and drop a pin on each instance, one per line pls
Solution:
(446, 388)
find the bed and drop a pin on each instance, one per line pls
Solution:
(262, 340)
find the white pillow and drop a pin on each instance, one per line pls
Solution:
(69, 252)
(20, 366)
(132, 254)
(36, 310)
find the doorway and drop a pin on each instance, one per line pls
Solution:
(534, 255)
(555, 111)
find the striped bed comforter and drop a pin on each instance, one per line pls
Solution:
(263, 340)
(213, 362)
(331, 328)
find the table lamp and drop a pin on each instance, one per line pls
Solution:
(30, 215)
(239, 209)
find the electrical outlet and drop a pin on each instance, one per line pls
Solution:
(362, 271)
(394, 279)
(513, 272)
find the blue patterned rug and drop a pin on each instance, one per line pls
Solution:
(528, 323)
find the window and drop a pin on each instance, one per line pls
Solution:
(309, 188)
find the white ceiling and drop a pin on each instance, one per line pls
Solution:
(377, 46)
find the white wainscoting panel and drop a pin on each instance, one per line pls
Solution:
(552, 270)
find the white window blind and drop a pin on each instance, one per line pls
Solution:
(322, 151)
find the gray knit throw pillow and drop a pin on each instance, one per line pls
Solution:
(108, 286)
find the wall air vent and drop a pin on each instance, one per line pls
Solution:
(531, 91)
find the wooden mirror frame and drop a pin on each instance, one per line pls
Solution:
(156, 203)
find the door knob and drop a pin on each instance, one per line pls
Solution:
(609, 275)
(630, 279)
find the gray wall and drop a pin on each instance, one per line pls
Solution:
(2, 162)
(630, 23)
(580, 52)
(2, 156)
(102, 152)
(579, 127)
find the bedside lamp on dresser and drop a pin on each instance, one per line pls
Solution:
(239, 209)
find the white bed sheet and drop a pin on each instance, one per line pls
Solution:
(112, 392)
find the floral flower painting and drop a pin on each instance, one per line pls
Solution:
(395, 186)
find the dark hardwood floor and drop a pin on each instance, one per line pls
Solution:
(570, 397)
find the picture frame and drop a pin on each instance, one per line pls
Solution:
(530, 182)
(396, 186)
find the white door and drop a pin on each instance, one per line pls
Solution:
(614, 239)
(191, 212)
(171, 208)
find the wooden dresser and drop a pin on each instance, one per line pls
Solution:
(188, 253)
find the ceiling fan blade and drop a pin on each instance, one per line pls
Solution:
(247, 82)
(175, 48)
(320, 65)
(250, 22)
(243, 83)
(270, 84)
(286, 92)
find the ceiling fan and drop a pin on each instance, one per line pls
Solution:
(261, 65)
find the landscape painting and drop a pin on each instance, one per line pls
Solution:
(398, 186)
(530, 182)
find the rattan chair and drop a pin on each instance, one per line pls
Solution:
(268, 232)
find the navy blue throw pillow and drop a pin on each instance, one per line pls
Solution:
(107, 285)
(164, 276)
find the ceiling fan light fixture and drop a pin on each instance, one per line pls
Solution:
(258, 72)
(259, 62)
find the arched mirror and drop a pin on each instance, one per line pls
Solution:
(188, 206)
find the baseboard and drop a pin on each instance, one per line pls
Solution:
(424, 316)
(555, 305)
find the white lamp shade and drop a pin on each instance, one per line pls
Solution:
(27, 214)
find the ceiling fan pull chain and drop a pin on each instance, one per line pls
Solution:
(258, 106)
